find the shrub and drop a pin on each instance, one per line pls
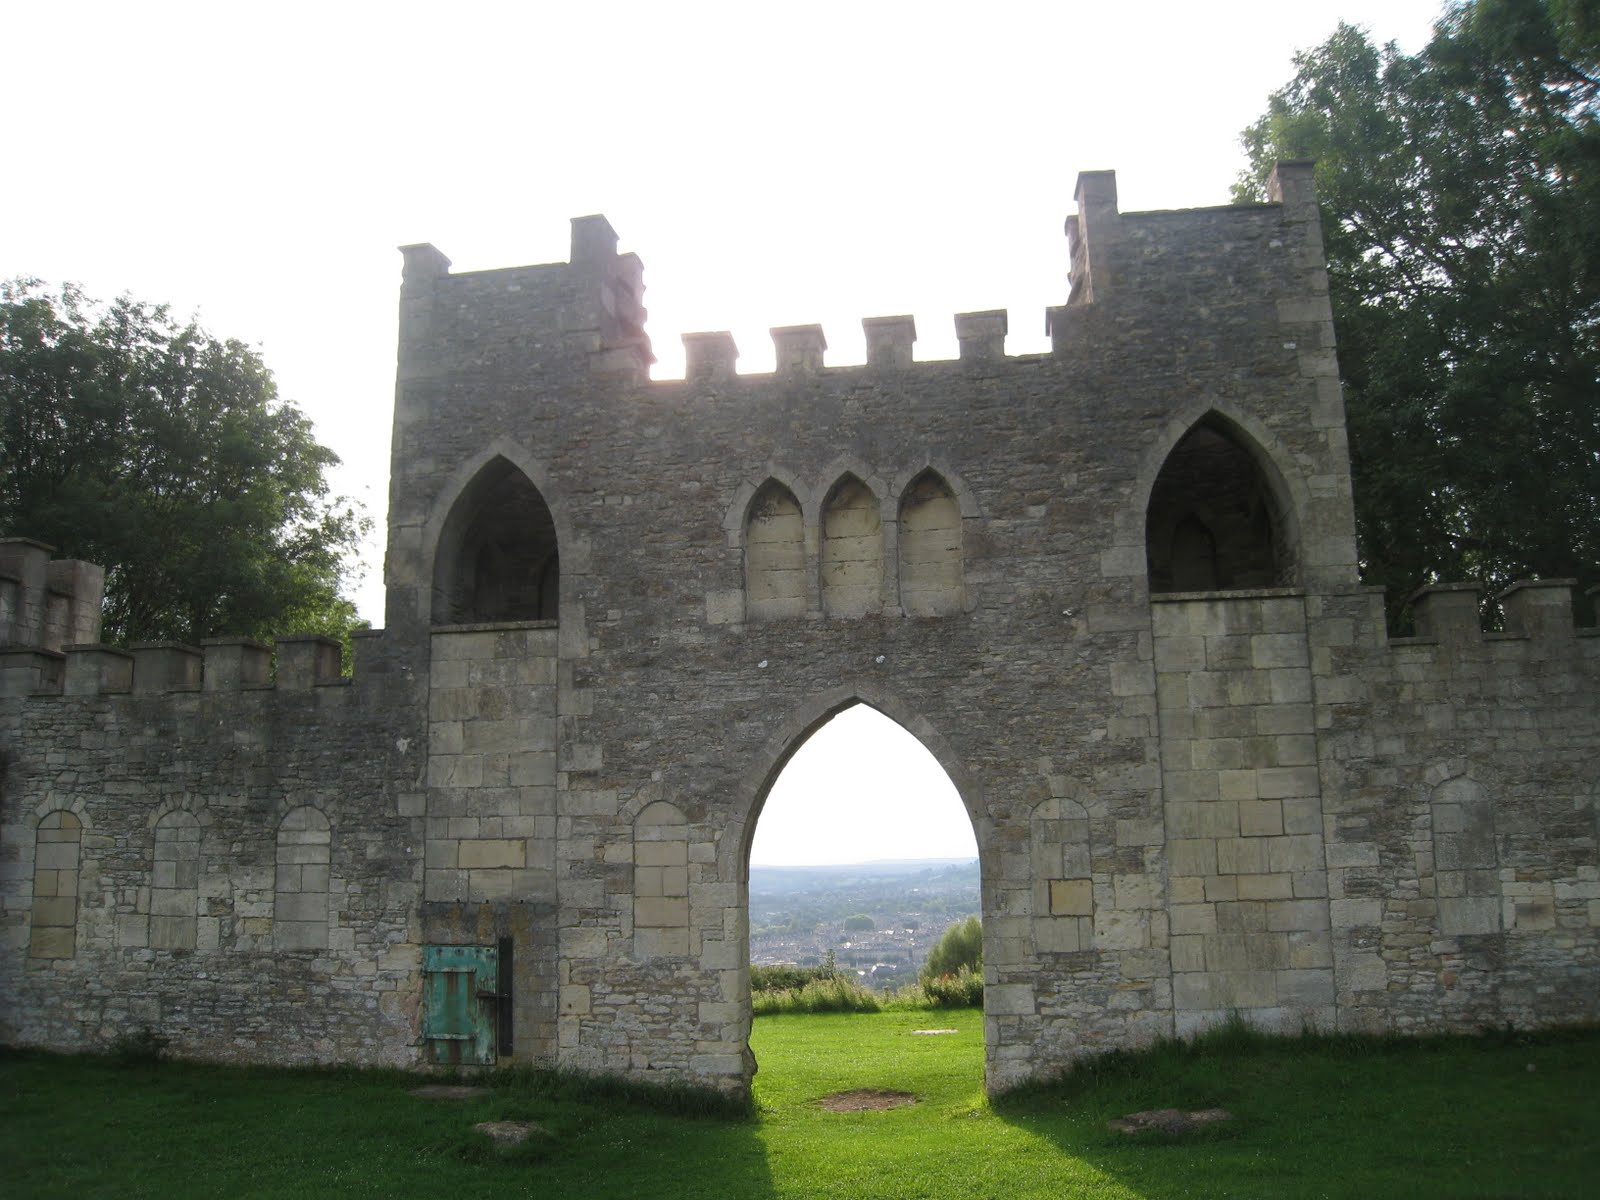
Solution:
(959, 947)
(964, 989)
(834, 994)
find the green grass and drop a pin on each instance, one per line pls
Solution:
(1332, 1117)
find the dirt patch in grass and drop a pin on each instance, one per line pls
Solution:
(1169, 1120)
(448, 1091)
(866, 1100)
(508, 1133)
(931, 1032)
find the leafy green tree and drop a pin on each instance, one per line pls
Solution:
(959, 948)
(1460, 191)
(859, 923)
(163, 453)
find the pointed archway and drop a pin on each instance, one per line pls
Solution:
(820, 733)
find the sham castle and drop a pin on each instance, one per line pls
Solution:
(1112, 588)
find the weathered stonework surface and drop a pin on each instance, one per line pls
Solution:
(287, 944)
(1240, 797)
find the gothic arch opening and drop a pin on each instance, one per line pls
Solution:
(1215, 521)
(860, 850)
(497, 558)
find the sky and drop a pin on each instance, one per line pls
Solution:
(876, 791)
(257, 165)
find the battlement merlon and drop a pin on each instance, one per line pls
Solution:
(601, 301)
(1451, 613)
(47, 603)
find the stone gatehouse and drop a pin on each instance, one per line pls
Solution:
(1111, 587)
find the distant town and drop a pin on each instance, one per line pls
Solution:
(878, 918)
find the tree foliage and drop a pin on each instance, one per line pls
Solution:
(1460, 191)
(959, 947)
(163, 453)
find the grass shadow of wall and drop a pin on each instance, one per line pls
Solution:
(93, 1125)
(1499, 1115)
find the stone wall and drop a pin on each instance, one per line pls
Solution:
(1187, 804)
(247, 864)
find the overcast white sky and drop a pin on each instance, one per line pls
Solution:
(771, 163)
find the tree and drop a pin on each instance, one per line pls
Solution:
(959, 948)
(163, 453)
(859, 923)
(1460, 191)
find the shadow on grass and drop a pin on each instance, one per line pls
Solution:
(1500, 1115)
(85, 1126)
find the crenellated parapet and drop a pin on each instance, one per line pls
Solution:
(1451, 614)
(45, 664)
(303, 661)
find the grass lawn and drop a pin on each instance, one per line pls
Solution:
(1504, 1116)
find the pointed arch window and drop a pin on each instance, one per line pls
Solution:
(1215, 521)
(774, 554)
(497, 557)
(931, 571)
(852, 550)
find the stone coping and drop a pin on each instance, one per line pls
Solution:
(1228, 594)
(492, 626)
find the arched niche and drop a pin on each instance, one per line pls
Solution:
(1217, 519)
(852, 550)
(774, 554)
(497, 558)
(931, 571)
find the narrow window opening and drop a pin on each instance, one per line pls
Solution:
(504, 985)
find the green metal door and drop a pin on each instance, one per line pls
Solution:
(458, 1003)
